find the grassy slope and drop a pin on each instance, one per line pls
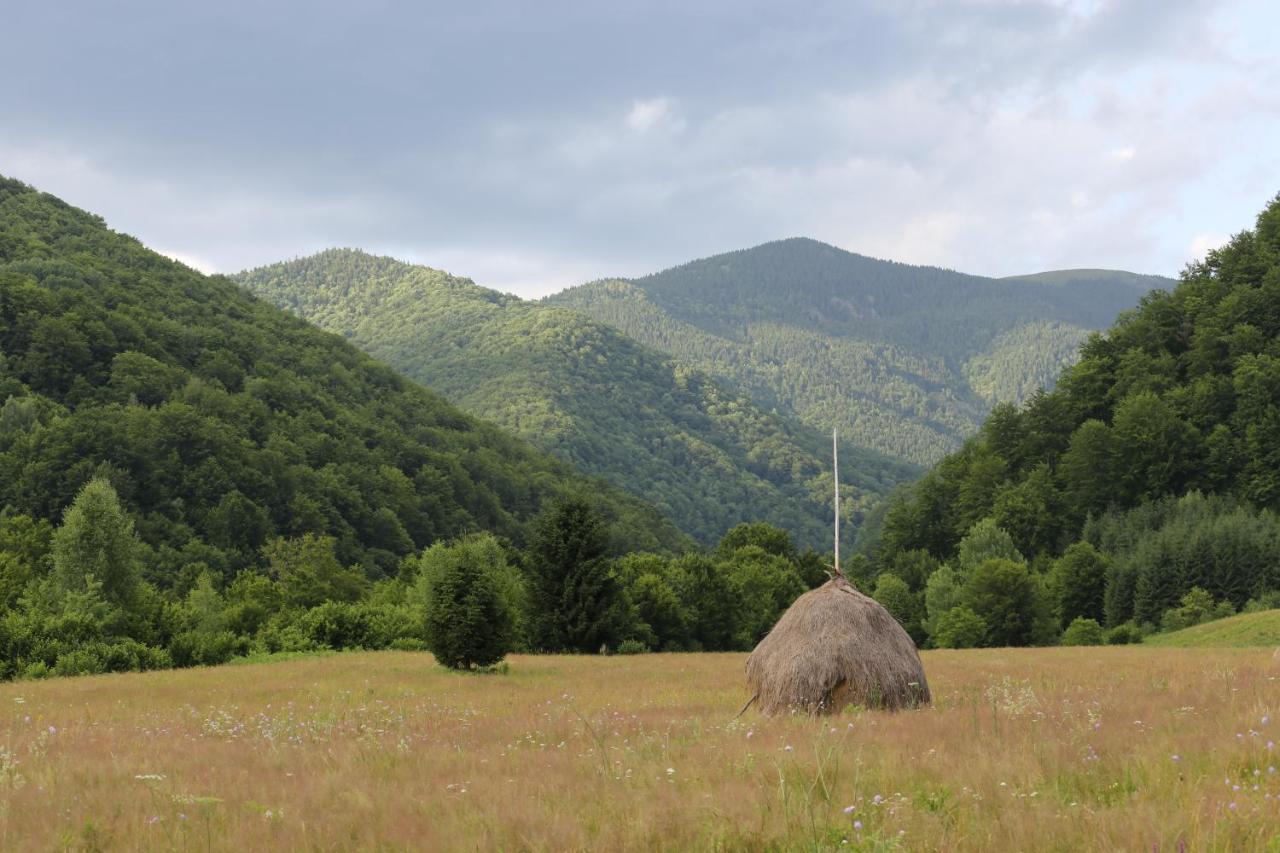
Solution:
(1035, 749)
(703, 454)
(1247, 629)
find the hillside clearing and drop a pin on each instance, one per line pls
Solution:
(1106, 748)
(1247, 629)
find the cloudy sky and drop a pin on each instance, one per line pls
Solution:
(532, 146)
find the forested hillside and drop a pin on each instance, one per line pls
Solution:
(906, 360)
(704, 455)
(1144, 488)
(223, 422)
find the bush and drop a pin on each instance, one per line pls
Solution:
(1083, 632)
(197, 648)
(284, 638)
(632, 647)
(1123, 635)
(960, 628)
(468, 621)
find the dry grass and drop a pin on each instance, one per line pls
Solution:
(1058, 749)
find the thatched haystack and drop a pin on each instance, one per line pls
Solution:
(836, 647)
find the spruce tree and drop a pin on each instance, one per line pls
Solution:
(576, 603)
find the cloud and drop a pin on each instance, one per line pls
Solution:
(645, 115)
(532, 148)
(1202, 244)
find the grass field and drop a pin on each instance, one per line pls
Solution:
(1049, 749)
(1247, 629)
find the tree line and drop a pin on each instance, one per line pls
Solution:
(76, 600)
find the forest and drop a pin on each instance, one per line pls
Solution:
(904, 360)
(1140, 494)
(702, 454)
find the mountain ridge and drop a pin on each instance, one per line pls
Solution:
(585, 392)
(920, 353)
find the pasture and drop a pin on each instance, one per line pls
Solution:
(1031, 749)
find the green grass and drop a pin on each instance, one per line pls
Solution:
(1247, 629)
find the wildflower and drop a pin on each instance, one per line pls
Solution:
(1265, 719)
(1232, 806)
(848, 809)
(857, 824)
(1175, 757)
(787, 748)
(877, 799)
(53, 730)
(670, 770)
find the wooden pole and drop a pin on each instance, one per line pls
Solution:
(835, 464)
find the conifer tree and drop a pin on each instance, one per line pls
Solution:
(575, 600)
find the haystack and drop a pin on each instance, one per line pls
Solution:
(836, 647)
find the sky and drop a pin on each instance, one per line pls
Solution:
(534, 146)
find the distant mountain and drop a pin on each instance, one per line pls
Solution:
(703, 454)
(906, 360)
(223, 421)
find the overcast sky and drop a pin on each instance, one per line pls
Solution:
(536, 145)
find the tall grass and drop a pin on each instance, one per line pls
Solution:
(1111, 748)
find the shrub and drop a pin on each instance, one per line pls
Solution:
(1083, 632)
(960, 628)
(632, 647)
(1123, 635)
(468, 622)
(199, 648)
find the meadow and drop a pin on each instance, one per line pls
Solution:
(1023, 749)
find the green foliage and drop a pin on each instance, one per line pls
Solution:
(1007, 597)
(700, 452)
(575, 601)
(986, 541)
(468, 621)
(482, 552)
(96, 541)
(1083, 632)
(960, 628)
(770, 539)
(1123, 635)
(893, 592)
(1197, 607)
(941, 595)
(309, 573)
(764, 585)
(1078, 582)
(919, 354)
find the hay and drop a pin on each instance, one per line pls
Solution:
(836, 647)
